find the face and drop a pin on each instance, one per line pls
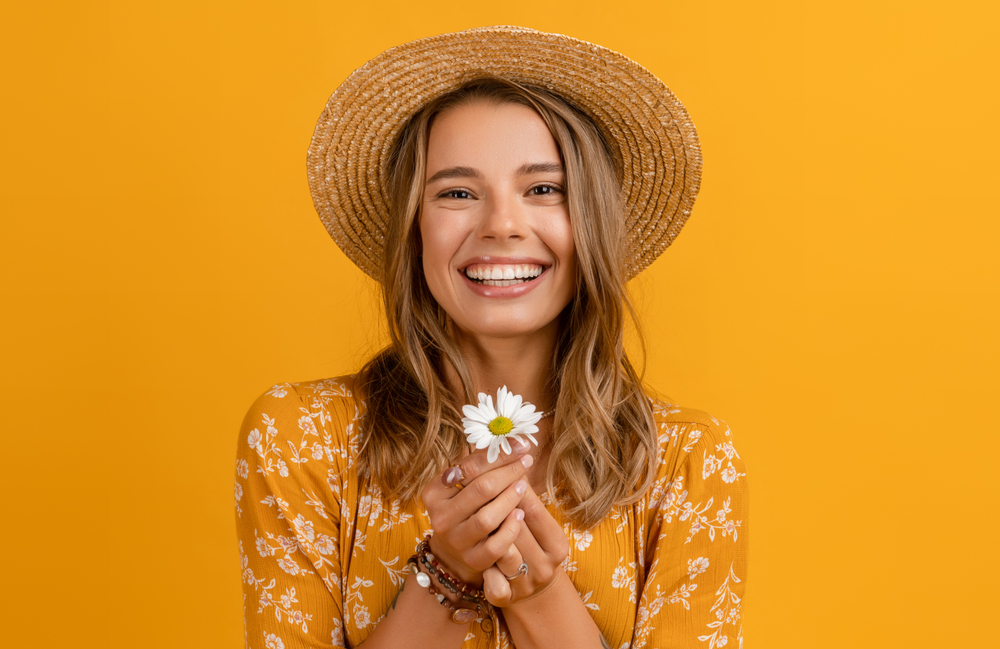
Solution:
(498, 249)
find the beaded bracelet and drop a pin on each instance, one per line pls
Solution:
(456, 586)
(459, 615)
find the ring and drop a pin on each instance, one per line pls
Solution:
(452, 477)
(523, 570)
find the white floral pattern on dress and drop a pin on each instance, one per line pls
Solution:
(327, 548)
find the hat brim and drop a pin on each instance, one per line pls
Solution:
(657, 143)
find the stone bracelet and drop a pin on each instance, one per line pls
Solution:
(459, 615)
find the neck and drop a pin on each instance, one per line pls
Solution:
(522, 363)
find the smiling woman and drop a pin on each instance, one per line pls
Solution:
(508, 186)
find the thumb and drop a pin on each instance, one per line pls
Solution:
(496, 587)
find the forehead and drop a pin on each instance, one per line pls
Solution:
(491, 134)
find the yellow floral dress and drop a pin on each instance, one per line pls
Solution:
(323, 551)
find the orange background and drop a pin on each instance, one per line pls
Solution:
(834, 297)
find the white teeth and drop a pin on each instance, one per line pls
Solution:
(498, 275)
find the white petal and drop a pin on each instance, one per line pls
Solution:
(526, 417)
(521, 443)
(492, 454)
(484, 442)
(475, 437)
(482, 397)
(514, 405)
(525, 430)
(532, 438)
(502, 401)
(505, 445)
(476, 414)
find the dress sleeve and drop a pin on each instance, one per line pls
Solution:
(696, 543)
(288, 523)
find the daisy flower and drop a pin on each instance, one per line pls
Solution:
(489, 426)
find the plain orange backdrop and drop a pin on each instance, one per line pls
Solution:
(834, 296)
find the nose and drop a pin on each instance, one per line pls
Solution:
(503, 218)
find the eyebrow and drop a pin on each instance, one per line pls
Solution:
(454, 172)
(541, 168)
(469, 172)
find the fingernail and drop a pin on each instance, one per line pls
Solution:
(521, 486)
(527, 461)
(520, 447)
(519, 514)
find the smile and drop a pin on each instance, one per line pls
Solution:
(503, 274)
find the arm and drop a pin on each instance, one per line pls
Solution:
(415, 620)
(696, 550)
(289, 541)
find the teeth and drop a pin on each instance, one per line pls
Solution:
(496, 275)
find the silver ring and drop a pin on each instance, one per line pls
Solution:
(523, 570)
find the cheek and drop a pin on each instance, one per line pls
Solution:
(438, 248)
(559, 238)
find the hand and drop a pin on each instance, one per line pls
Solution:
(476, 526)
(542, 546)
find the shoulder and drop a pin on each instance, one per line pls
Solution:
(296, 416)
(689, 436)
(325, 398)
(673, 419)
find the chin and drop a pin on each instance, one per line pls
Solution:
(502, 328)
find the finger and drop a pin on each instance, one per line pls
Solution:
(529, 550)
(486, 521)
(544, 528)
(496, 587)
(510, 563)
(477, 463)
(437, 489)
(458, 476)
(542, 567)
(493, 546)
(486, 487)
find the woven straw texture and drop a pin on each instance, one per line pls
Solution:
(656, 140)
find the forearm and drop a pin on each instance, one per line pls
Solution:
(416, 620)
(553, 619)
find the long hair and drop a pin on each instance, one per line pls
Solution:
(604, 441)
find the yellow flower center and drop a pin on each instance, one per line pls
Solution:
(501, 426)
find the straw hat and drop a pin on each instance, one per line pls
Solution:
(656, 140)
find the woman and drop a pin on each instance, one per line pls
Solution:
(502, 184)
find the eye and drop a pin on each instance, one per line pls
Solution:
(544, 190)
(455, 193)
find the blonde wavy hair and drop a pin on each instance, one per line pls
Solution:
(604, 441)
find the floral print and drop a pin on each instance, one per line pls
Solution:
(323, 549)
